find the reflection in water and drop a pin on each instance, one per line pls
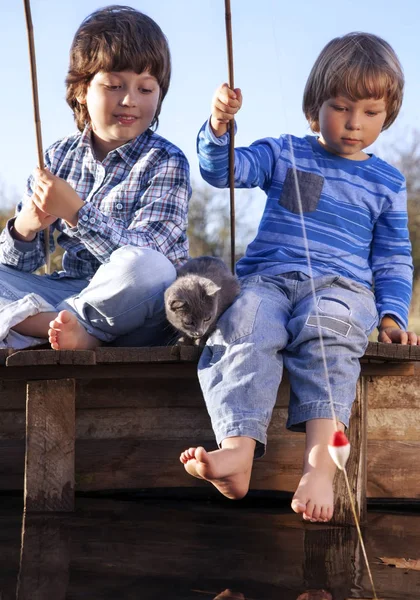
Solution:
(229, 595)
(169, 550)
(315, 595)
(44, 559)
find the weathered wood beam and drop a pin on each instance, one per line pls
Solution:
(50, 438)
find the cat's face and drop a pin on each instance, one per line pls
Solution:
(192, 311)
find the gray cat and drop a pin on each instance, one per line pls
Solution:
(203, 290)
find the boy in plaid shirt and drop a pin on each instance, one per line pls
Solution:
(117, 194)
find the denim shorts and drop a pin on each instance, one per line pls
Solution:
(274, 323)
(122, 304)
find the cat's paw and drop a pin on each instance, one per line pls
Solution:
(184, 340)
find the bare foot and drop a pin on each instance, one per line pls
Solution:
(314, 497)
(67, 333)
(228, 469)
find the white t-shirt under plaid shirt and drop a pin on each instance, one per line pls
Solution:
(138, 195)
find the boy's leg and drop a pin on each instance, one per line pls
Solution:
(347, 314)
(27, 304)
(240, 371)
(125, 295)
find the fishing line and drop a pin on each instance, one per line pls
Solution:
(334, 448)
(334, 451)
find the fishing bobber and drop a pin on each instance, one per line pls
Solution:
(339, 449)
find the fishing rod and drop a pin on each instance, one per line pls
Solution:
(37, 119)
(228, 23)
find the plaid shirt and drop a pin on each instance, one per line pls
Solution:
(137, 196)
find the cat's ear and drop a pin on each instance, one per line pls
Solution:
(211, 288)
(177, 304)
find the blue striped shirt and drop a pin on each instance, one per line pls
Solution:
(138, 195)
(355, 214)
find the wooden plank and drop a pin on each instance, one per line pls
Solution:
(393, 469)
(394, 424)
(397, 352)
(50, 435)
(389, 369)
(4, 353)
(44, 561)
(23, 358)
(12, 395)
(392, 392)
(190, 353)
(100, 371)
(111, 355)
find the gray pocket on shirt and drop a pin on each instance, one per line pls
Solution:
(310, 188)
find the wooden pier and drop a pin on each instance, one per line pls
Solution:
(118, 418)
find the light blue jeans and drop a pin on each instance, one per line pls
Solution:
(273, 323)
(123, 303)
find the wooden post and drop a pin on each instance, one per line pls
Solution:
(50, 434)
(44, 559)
(329, 559)
(356, 465)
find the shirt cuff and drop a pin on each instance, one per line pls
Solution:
(210, 136)
(90, 220)
(18, 245)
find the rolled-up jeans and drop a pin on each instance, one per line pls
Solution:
(273, 323)
(122, 304)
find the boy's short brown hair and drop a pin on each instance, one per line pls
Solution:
(116, 38)
(357, 65)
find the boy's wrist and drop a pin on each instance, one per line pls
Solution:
(21, 233)
(218, 128)
(73, 219)
(387, 321)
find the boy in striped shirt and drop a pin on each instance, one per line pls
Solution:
(350, 273)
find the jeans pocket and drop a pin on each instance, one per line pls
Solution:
(238, 320)
(310, 187)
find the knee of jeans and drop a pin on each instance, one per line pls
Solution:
(152, 268)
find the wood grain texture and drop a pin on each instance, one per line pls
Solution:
(50, 437)
(44, 561)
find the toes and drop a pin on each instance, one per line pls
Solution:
(323, 515)
(316, 513)
(309, 510)
(200, 454)
(64, 317)
(298, 506)
(187, 455)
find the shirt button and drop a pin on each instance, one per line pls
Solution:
(85, 218)
(92, 220)
(119, 206)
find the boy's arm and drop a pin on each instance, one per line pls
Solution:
(253, 165)
(159, 222)
(22, 243)
(392, 268)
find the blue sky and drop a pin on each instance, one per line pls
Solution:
(275, 44)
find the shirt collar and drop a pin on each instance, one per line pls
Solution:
(129, 152)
